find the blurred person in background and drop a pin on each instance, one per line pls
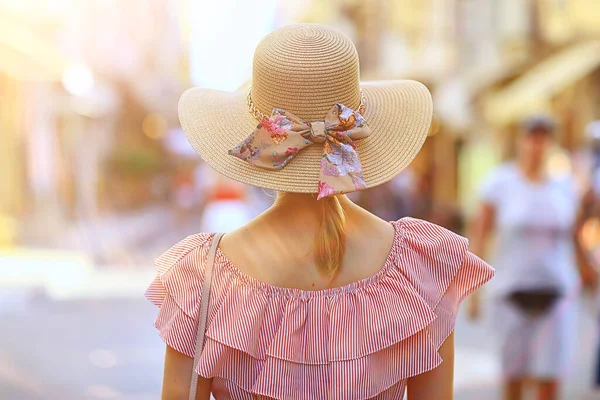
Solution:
(226, 205)
(187, 191)
(184, 193)
(392, 200)
(592, 158)
(590, 212)
(534, 217)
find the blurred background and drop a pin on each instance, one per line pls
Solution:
(97, 178)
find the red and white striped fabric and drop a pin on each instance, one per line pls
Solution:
(359, 341)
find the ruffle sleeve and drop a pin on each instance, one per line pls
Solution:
(437, 263)
(176, 292)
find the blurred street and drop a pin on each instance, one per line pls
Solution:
(99, 343)
(124, 238)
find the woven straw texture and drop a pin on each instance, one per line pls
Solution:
(306, 69)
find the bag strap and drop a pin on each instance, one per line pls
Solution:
(210, 260)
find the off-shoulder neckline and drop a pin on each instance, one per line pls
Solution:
(391, 259)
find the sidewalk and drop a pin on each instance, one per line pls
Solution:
(65, 275)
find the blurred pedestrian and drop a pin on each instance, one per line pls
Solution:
(591, 209)
(227, 207)
(392, 200)
(593, 158)
(316, 297)
(534, 216)
(184, 196)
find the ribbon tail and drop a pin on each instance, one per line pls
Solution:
(341, 171)
(359, 180)
(325, 190)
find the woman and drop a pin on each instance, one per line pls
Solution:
(315, 298)
(534, 216)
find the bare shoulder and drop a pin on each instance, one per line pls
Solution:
(248, 244)
(369, 227)
(278, 248)
(265, 228)
(239, 237)
(369, 241)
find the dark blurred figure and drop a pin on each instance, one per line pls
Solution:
(392, 200)
(184, 195)
(534, 217)
(592, 161)
(591, 204)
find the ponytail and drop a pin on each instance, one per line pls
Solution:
(330, 241)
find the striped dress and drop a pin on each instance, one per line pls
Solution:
(358, 341)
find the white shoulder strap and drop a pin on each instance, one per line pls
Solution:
(210, 260)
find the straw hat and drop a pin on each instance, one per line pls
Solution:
(305, 69)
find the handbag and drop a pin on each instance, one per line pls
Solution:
(210, 261)
(534, 302)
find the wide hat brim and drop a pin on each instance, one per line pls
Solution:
(398, 113)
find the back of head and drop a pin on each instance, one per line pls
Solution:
(305, 68)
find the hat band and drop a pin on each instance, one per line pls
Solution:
(260, 116)
(277, 139)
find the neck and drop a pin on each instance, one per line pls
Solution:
(302, 210)
(531, 169)
(304, 201)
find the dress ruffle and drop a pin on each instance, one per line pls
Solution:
(358, 340)
(176, 291)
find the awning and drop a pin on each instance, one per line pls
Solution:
(532, 91)
(454, 97)
(27, 56)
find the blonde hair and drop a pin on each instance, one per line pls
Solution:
(330, 241)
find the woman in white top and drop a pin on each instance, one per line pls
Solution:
(534, 217)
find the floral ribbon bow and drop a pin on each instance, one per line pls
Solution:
(276, 140)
